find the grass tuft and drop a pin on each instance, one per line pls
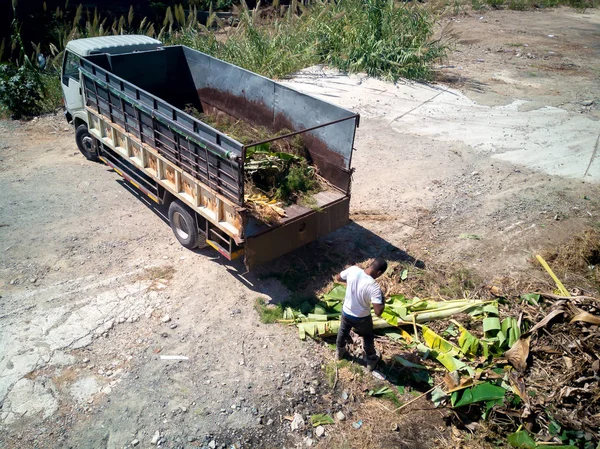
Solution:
(268, 313)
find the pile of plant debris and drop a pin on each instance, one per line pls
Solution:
(277, 173)
(526, 369)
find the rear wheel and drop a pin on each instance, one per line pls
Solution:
(183, 225)
(85, 143)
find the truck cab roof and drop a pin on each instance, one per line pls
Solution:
(112, 44)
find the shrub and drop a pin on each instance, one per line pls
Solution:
(20, 90)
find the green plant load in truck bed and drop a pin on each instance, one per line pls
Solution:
(277, 173)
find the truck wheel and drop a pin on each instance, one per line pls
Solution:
(183, 225)
(85, 143)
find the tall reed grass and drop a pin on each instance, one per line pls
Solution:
(379, 37)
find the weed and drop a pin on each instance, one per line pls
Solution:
(267, 313)
(165, 272)
(580, 257)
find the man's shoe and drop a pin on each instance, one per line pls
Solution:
(372, 362)
(340, 354)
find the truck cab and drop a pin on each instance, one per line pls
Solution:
(81, 48)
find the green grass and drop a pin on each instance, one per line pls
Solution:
(268, 314)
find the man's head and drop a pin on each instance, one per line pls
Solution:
(377, 268)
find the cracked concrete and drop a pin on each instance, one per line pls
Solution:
(49, 331)
(28, 397)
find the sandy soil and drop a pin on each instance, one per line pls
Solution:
(95, 289)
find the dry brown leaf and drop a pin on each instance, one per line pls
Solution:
(518, 386)
(518, 354)
(451, 380)
(547, 319)
(496, 291)
(586, 317)
(568, 363)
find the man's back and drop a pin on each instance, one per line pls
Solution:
(361, 291)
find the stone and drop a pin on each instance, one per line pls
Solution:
(155, 438)
(297, 422)
(320, 431)
(340, 416)
(395, 427)
(212, 444)
(312, 390)
(587, 102)
(269, 422)
(345, 395)
(134, 443)
(33, 280)
(173, 326)
(166, 319)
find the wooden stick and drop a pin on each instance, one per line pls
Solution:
(553, 296)
(336, 377)
(419, 397)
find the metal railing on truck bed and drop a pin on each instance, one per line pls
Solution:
(200, 164)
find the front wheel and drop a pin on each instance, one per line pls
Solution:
(183, 225)
(85, 143)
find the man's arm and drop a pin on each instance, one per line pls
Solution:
(343, 276)
(377, 300)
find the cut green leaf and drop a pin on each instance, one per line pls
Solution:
(321, 420)
(521, 440)
(479, 393)
(382, 391)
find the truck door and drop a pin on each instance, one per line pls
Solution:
(70, 83)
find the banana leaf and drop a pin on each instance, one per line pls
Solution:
(484, 392)
(338, 292)
(407, 364)
(443, 351)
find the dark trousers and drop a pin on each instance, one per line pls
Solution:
(363, 327)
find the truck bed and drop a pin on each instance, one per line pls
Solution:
(142, 95)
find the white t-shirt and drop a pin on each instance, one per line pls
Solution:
(361, 291)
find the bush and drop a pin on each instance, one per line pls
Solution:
(26, 91)
(20, 90)
(379, 37)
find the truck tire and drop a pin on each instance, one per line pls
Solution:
(85, 143)
(183, 225)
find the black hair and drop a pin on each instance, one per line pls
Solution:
(379, 265)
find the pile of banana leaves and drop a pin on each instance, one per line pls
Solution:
(484, 373)
(323, 319)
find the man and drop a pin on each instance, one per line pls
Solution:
(361, 292)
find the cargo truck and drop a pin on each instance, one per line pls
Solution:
(126, 97)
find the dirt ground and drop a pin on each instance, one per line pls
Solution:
(95, 290)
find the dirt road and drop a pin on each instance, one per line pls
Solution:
(95, 290)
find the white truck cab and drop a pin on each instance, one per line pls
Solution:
(71, 82)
